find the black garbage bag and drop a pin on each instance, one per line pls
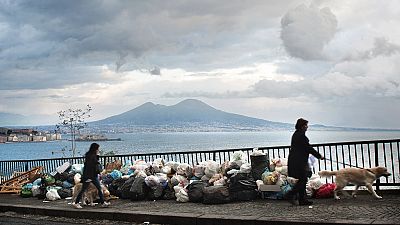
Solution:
(114, 187)
(216, 195)
(242, 185)
(58, 183)
(155, 193)
(168, 192)
(107, 179)
(70, 178)
(65, 192)
(42, 192)
(258, 165)
(138, 189)
(195, 191)
(124, 189)
(240, 176)
(61, 176)
(242, 190)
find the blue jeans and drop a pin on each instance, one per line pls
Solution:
(85, 186)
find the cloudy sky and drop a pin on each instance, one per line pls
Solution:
(332, 62)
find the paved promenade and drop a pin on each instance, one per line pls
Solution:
(363, 210)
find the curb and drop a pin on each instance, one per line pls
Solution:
(160, 218)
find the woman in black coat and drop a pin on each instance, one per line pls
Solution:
(298, 162)
(91, 170)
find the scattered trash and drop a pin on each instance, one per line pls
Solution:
(310, 207)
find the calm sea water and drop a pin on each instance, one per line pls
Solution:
(187, 141)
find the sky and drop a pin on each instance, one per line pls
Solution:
(331, 62)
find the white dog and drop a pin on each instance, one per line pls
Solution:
(356, 176)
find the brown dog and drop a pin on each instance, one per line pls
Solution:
(356, 176)
(89, 195)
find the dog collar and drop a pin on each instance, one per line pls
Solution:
(370, 171)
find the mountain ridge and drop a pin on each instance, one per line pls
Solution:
(187, 115)
(10, 119)
(186, 111)
(195, 115)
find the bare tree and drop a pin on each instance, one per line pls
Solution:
(73, 120)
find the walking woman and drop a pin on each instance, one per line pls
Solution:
(298, 162)
(90, 174)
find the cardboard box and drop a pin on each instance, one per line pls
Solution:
(272, 187)
(63, 167)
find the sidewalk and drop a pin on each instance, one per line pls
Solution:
(363, 210)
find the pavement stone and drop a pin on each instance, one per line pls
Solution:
(363, 210)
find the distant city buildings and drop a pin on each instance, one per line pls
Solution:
(26, 135)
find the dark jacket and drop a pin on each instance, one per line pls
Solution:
(90, 170)
(298, 155)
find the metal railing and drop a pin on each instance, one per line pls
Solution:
(339, 155)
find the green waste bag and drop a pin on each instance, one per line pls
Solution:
(26, 191)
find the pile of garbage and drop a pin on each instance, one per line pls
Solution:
(207, 182)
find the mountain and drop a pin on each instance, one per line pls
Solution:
(188, 112)
(9, 119)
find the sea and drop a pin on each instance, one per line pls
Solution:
(153, 142)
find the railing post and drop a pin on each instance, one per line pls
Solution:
(377, 163)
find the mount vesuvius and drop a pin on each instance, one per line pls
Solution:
(191, 112)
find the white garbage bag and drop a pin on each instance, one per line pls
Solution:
(172, 164)
(245, 168)
(182, 196)
(166, 170)
(77, 168)
(198, 170)
(77, 178)
(184, 169)
(52, 195)
(35, 190)
(212, 168)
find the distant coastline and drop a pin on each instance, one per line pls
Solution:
(101, 139)
(97, 137)
(26, 135)
(159, 142)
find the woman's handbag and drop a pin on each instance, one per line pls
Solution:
(99, 168)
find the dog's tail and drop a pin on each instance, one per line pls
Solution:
(326, 173)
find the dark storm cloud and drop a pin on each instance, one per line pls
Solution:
(49, 35)
(45, 77)
(53, 41)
